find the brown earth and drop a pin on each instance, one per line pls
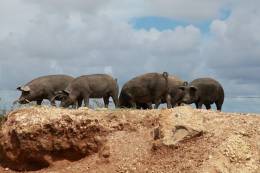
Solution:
(167, 140)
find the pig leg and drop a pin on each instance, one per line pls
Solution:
(168, 101)
(74, 106)
(133, 104)
(79, 103)
(149, 106)
(208, 106)
(52, 101)
(157, 104)
(198, 105)
(173, 103)
(39, 102)
(86, 101)
(139, 106)
(144, 106)
(106, 101)
(218, 105)
(115, 100)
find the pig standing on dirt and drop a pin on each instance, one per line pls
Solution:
(90, 86)
(204, 91)
(145, 89)
(43, 87)
(175, 93)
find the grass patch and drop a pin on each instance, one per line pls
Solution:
(2, 120)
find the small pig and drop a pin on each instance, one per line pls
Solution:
(204, 91)
(145, 89)
(175, 93)
(43, 87)
(90, 86)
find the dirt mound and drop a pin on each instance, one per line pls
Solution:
(34, 138)
(123, 140)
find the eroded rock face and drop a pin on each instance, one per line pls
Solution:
(33, 139)
(173, 130)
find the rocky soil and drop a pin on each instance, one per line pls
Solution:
(183, 139)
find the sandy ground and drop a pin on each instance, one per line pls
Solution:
(182, 139)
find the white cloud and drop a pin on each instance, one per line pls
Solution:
(82, 37)
(189, 10)
(99, 42)
(15, 17)
(233, 50)
(186, 9)
(108, 70)
(68, 6)
(219, 28)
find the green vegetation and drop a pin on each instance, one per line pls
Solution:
(2, 115)
(2, 120)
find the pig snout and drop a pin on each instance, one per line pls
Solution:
(66, 103)
(186, 100)
(23, 100)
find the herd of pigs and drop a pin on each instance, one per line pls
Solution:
(140, 92)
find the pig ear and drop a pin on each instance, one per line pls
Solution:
(193, 88)
(65, 92)
(24, 88)
(58, 92)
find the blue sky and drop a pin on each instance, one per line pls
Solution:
(163, 23)
(166, 23)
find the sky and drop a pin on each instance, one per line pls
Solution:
(187, 38)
